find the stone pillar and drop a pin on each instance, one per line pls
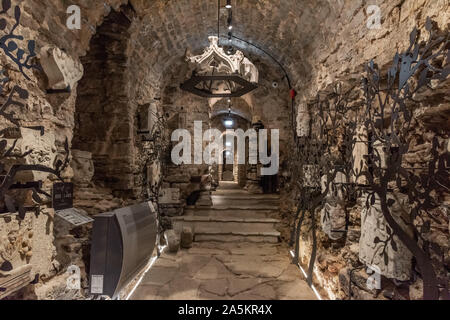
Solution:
(253, 184)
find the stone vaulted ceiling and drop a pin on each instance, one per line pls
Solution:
(287, 29)
(314, 40)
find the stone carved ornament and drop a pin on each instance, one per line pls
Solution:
(215, 59)
(62, 71)
(303, 121)
(40, 150)
(83, 167)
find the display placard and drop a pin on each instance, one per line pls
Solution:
(62, 196)
(74, 216)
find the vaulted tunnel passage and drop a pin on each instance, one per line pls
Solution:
(133, 166)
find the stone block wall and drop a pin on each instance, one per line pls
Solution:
(98, 117)
(318, 43)
(340, 57)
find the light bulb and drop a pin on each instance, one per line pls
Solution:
(229, 123)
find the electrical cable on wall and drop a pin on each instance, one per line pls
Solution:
(292, 92)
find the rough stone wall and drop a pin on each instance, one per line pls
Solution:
(39, 242)
(104, 119)
(183, 109)
(340, 56)
(346, 44)
(314, 54)
(31, 242)
(117, 87)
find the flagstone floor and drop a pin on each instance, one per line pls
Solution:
(225, 271)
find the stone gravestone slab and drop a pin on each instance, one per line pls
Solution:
(393, 261)
(333, 217)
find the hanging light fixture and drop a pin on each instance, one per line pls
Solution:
(228, 6)
(229, 122)
(230, 26)
(230, 19)
(221, 72)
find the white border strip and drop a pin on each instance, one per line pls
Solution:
(152, 262)
(306, 276)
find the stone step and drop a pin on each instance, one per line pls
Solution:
(226, 219)
(223, 185)
(232, 213)
(235, 216)
(245, 206)
(228, 229)
(249, 196)
(246, 203)
(261, 237)
(231, 192)
(224, 223)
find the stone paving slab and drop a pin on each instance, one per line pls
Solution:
(225, 271)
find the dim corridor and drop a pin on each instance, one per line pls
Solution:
(236, 254)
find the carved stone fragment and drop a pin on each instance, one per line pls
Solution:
(62, 71)
(83, 167)
(43, 152)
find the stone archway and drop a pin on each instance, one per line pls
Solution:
(103, 123)
(227, 169)
(234, 171)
